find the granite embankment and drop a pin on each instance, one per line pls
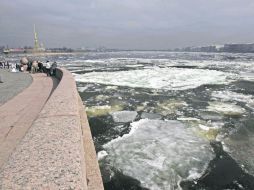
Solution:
(12, 84)
(19, 112)
(57, 151)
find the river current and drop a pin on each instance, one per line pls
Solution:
(167, 120)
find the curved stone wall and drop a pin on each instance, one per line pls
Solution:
(58, 151)
(93, 174)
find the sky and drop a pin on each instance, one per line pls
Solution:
(126, 24)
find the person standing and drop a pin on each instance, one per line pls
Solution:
(40, 67)
(34, 67)
(53, 69)
(48, 65)
(29, 66)
(13, 68)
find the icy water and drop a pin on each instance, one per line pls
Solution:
(165, 120)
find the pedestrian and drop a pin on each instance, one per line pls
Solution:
(13, 68)
(29, 66)
(34, 67)
(48, 65)
(18, 66)
(40, 67)
(53, 69)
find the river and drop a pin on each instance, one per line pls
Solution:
(168, 120)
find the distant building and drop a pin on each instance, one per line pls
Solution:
(59, 50)
(208, 49)
(200, 49)
(239, 48)
(234, 48)
(17, 50)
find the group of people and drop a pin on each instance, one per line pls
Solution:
(50, 68)
(10, 66)
(31, 66)
(4, 65)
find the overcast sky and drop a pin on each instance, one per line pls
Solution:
(130, 24)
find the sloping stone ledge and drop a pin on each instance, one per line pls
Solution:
(58, 151)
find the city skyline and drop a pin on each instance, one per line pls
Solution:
(156, 24)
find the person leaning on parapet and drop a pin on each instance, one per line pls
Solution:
(24, 63)
(44, 70)
(40, 66)
(29, 65)
(48, 66)
(34, 67)
(53, 69)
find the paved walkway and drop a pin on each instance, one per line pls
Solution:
(13, 83)
(18, 114)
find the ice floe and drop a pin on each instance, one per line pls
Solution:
(124, 116)
(240, 146)
(134, 66)
(247, 76)
(210, 115)
(232, 96)
(208, 130)
(101, 97)
(187, 119)
(160, 153)
(84, 88)
(158, 78)
(94, 111)
(170, 106)
(94, 61)
(251, 105)
(98, 110)
(228, 109)
(102, 154)
(142, 107)
(111, 87)
(145, 115)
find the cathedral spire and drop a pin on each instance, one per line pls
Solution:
(36, 43)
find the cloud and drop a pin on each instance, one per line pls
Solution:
(145, 24)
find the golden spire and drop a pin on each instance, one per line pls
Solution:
(36, 43)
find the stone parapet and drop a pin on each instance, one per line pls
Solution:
(57, 152)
